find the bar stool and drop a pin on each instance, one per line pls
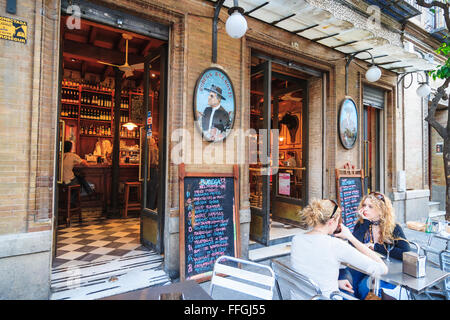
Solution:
(66, 203)
(132, 205)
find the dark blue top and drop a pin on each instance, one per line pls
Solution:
(400, 246)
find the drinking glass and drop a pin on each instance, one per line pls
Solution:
(389, 247)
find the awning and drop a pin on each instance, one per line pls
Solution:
(319, 25)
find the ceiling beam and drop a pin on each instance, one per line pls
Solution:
(86, 52)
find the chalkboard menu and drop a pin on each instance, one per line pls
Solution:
(209, 224)
(350, 192)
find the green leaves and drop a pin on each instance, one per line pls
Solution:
(442, 72)
(444, 49)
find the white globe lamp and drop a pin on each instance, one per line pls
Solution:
(373, 74)
(423, 90)
(236, 25)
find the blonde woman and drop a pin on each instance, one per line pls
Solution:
(318, 255)
(376, 228)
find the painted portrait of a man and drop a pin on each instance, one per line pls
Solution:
(214, 106)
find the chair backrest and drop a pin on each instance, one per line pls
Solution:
(292, 285)
(251, 281)
(444, 259)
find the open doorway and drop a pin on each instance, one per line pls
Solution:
(278, 103)
(111, 136)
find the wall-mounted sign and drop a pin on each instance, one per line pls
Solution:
(348, 123)
(13, 29)
(284, 184)
(439, 148)
(214, 104)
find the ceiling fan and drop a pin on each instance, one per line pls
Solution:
(128, 69)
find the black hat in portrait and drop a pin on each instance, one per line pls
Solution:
(217, 90)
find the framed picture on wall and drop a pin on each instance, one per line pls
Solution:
(348, 123)
(214, 104)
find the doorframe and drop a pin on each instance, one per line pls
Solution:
(269, 195)
(133, 23)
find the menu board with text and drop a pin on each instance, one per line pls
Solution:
(208, 224)
(350, 192)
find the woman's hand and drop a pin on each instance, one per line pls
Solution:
(345, 233)
(345, 285)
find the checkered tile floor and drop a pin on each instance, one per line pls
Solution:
(107, 240)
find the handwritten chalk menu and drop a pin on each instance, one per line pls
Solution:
(350, 192)
(208, 224)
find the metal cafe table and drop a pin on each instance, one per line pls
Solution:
(190, 289)
(396, 276)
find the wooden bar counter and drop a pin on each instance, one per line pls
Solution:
(101, 176)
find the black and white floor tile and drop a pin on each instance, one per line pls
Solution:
(107, 240)
(103, 259)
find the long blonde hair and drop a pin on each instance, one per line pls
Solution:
(387, 215)
(318, 212)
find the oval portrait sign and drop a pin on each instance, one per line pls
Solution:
(348, 123)
(214, 104)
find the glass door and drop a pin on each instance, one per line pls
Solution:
(153, 163)
(259, 171)
(289, 185)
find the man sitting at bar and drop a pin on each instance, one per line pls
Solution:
(69, 178)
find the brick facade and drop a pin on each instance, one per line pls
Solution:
(28, 109)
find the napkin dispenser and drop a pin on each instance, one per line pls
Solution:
(414, 263)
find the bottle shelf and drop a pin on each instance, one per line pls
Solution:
(94, 136)
(99, 121)
(106, 92)
(69, 102)
(69, 118)
(95, 106)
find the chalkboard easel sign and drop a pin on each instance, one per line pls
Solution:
(350, 190)
(209, 221)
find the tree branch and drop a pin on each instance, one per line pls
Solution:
(435, 3)
(431, 114)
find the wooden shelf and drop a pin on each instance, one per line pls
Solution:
(72, 103)
(106, 92)
(95, 106)
(98, 121)
(94, 136)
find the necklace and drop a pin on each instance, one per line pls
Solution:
(376, 223)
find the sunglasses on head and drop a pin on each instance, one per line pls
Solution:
(336, 206)
(377, 195)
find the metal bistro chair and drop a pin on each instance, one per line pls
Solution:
(444, 259)
(245, 281)
(292, 285)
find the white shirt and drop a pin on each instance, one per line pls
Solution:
(212, 116)
(318, 256)
(70, 160)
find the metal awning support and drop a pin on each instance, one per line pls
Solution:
(282, 19)
(302, 18)
(307, 28)
(257, 8)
